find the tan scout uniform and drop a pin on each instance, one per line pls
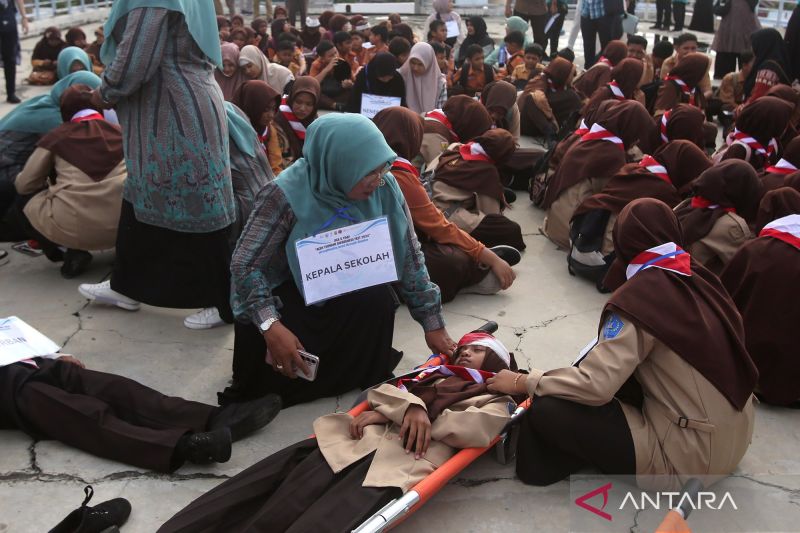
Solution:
(433, 144)
(686, 426)
(75, 211)
(557, 222)
(728, 234)
(469, 423)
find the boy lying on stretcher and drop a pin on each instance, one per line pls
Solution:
(355, 466)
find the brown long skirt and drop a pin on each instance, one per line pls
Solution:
(451, 268)
(292, 491)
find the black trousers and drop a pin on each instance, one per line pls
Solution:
(51, 249)
(558, 438)
(538, 22)
(725, 63)
(108, 415)
(9, 41)
(663, 12)
(602, 27)
(295, 6)
(679, 14)
(553, 34)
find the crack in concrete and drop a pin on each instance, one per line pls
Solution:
(76, 314)
(129, 475)
(791, 492)
(635, 527)
(469, 483)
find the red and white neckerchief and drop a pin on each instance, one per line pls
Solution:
(293, 121)
(599, 133)
(473, 151)
(750, 141)
(469, 374)
(85, 115)
(685, 89)
(786, 229)
(655, 168)
(605, 61)
(698, 202)
(613, 86)
(668, 256)
(263, 138)
(405, 165)
(664, 121)
(438, 115)
(781, 167)
(583, 129)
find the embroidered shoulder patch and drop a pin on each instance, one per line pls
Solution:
(613, 326)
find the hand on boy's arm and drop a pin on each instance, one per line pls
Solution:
(367, 418)
(416, 431)
(507, 382)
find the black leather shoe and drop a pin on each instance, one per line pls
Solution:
(510, 195)
(509, 254)
(205, 448)
(75, 263)
(245, 418)
(104, 517)
(13, 99)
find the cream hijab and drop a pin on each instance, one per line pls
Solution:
(423, 91)
(276, 76)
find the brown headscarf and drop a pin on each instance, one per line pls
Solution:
(468, 117)
(682, 302)
(683, 122)
(691, 69)
(787, 93)
(93, 146)
(683, 161)
(765, 119)
(478, 176)
(303, 84)
(793, 181)
(729, 184)
(500, 96)
(764, 282)
(563, 146)
(777, 204)
(229, 85)
(615, 51)
(627, 74)
(402, 129)
(73, 35)
(254, 97)
(775, 180)
(597, 159)
(43, 49)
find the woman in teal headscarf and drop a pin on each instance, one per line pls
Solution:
(342, 179)
(72, 59)
(22, 128)
(173, 244)
(512, 24)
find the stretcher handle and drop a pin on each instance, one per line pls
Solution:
(691, 488)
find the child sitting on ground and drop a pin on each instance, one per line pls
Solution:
(289, 56)
(474, 75)
(357, 465)
(514, 53)
(529, 68)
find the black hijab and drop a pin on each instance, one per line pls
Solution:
(770, 53)
(481, 37)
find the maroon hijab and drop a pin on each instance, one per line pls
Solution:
(93, 146)
(683, 121)
(402, 129)
(254, 97)
(774, 180)
(764, 282)
(670, 306)
(468, 117)
(683, 162)
(626, 75)
(731, 184)
(597, 159)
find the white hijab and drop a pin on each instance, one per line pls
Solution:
(422, 92)
(276, 76)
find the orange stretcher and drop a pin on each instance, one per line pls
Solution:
(401, 508)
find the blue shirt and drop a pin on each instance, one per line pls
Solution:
(592, 9)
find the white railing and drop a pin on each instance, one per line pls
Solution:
(40, 9)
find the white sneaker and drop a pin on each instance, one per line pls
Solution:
(204, 319)
(102, 293)
(488, 285)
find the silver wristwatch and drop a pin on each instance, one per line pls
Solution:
(264, 326)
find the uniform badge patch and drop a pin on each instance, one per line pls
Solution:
(613, 326)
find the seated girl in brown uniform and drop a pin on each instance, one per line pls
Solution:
(357, 465)
(652, 396)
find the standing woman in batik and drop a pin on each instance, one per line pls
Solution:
(173, 245)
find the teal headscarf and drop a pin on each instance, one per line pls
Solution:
(199, 15)
(68, 56)
(240, 130)
(43, 113)
(517, 24)
(339, 151)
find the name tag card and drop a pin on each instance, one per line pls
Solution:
(452, 28)
(372, 104)
(19, 341)
(346, 259)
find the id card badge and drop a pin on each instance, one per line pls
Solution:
(346, 259)
(372, 104)
(452, 29)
